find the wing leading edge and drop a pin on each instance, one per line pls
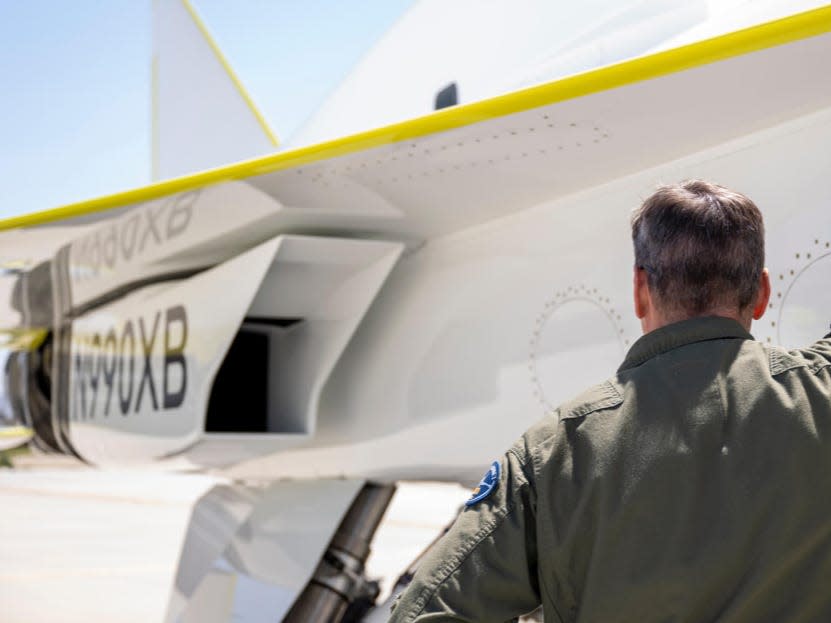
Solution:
(626, 108)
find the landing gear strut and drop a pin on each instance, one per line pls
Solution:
(338, 591)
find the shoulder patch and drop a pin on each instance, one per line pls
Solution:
(603, 396)
(486, 486)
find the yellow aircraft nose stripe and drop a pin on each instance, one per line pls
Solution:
(22, 339)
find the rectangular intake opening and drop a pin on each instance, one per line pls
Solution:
(308, 303)
(241, 397)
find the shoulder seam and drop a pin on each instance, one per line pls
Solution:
(611, 398)
(523, 460)
(780, 362)
(525, 464)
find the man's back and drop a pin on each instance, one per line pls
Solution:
(702, 495)
(694, 486)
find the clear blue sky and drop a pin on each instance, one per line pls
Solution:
(75, 109)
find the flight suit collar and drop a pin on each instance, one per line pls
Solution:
(682, 333)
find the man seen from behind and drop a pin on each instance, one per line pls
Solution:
(691, 486)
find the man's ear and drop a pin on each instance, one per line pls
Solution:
(763, 296)
(640, 292)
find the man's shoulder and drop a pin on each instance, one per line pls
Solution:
(600, 397)
(605, 395)
(814, 357)
(542, 437)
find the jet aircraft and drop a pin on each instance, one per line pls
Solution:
(408, 284)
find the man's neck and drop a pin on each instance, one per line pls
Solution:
(657, 318)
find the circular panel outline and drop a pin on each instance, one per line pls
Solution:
(579, 293)
(788, 278)
(787, 291)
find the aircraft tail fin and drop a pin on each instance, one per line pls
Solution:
(202, 116)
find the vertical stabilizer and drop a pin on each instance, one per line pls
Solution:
(202, 116)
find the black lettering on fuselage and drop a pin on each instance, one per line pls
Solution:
(151, 226)
(147, 351)
(147, 228)
(104, 364)
(174, 356)
(129, 235)
(125, 379)
(110, 356)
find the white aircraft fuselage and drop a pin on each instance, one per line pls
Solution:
(404, 302)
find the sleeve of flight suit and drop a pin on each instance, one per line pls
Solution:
(819, 353)
(485, 568)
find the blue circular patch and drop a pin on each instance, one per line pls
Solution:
(486, 486)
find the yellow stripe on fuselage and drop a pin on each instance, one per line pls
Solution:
(768, 35)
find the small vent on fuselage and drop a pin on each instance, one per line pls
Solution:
(447, 97)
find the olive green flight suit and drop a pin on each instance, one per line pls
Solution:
(694, 486)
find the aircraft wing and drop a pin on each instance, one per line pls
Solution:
(398, 179)
(393, 303)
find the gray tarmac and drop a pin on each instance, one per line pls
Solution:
(79, 544)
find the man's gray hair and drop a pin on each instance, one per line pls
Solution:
(701, 245)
